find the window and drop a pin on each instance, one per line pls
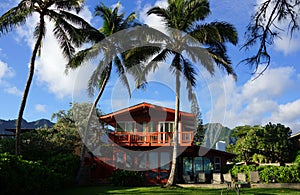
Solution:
(207, 165)
(152, 126)
(126, 127)
(166, 126)
(164, 129)
(217, 163)
(141, 127)
(188, 166)
(198, 164)
(153, 160)
(164, 160)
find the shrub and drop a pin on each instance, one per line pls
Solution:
(242, 169)
(66, 165)
(127, 178)
(281, 174)
(297, 159)
(20, 176)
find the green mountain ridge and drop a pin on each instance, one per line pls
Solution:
(11, 124)
(215, 132)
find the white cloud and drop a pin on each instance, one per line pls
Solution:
(153, 20)
(6, 71)
(13, 91)
(40, 108)
(273, 83)
(287, 114)
(288, 45)
(259, 101)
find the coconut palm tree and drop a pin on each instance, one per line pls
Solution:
(203, 43)
(56, 11)
(113, 22)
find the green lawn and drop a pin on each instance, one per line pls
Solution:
(174, 190)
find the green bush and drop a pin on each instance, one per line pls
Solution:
(281, 174)
(127, 178)
(297, 159)
(20, 176)
(66, 165)
(242, 169)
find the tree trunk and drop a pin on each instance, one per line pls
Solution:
(83, 147)
(27, 87)
(173, 172)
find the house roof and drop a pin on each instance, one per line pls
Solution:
(140, 107)
(295, 135)
(23, 130)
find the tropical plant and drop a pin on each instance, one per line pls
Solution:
(113, 22)
(65, 30)
(270, 143)
(203, 43)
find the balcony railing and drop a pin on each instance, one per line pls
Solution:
(151, 138)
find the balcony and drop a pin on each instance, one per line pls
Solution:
(151, 139)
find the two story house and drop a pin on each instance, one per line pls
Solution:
(140, 138)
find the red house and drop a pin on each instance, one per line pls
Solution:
(140, 138)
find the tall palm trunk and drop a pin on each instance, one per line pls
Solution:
(173, 172)
(27, 86)
(83, 147)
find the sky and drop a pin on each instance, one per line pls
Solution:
(273, 97)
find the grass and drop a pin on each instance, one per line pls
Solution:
(97, 190)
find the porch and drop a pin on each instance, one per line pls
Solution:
(151, 138)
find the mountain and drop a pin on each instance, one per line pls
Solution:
(215, 132)
(11, 124)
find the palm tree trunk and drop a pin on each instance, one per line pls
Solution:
(27, 87)
(172, 179)
(83, 147)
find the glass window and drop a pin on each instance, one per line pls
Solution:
(120, 159)
(129, 160)
(207, 165)
(153, 160)
(125, 126)
(217, 163)
(198, 164)
(188, 166)
(141, 127)
(166, 126)
(152, 127)
(164, 160)
(142, 160)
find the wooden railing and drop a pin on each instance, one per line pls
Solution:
(150, 138)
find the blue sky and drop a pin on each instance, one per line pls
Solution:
(272, 97)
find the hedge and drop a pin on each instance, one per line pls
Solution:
(280, 174)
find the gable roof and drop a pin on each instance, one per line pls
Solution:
(140, 107)
(295, 135)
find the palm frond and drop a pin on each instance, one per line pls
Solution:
(215, 32)
(84, 32)
(63, 38)
(100, 74)
(153, 64)
(201, 56)
(138, 55)
(69, 5)
(189, 71)
(15, 17)
(158, 11)
(122, 74)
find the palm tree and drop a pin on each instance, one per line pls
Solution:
(56, 11)
(202, 42)
(113, 22)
